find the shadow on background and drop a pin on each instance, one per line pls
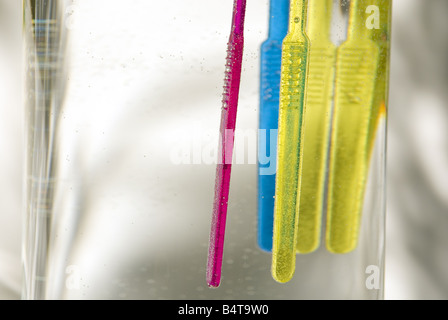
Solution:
(418, 152)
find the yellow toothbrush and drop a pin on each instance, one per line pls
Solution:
(317, 123)
(356, 70)
(292, 98)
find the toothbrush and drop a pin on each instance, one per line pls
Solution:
(356, 70)
(271, 55)
(292, 98)
(227, 129)
(317, 123)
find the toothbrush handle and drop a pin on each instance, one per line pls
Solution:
(292, 98)
(317, 123)
(349, 162)
(223, 171)
(271, 60)
(317, 120)
(271, 55)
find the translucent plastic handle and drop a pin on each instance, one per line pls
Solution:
(317, 124)
(357, 64)
(271, 59)
(227, 129)
(292, 98)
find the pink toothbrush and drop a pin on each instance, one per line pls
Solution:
(227, 130)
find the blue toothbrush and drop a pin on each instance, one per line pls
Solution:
(271, 56)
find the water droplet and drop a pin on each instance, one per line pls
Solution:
(296, 19)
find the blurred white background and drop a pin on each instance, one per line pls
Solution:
(417, 207)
